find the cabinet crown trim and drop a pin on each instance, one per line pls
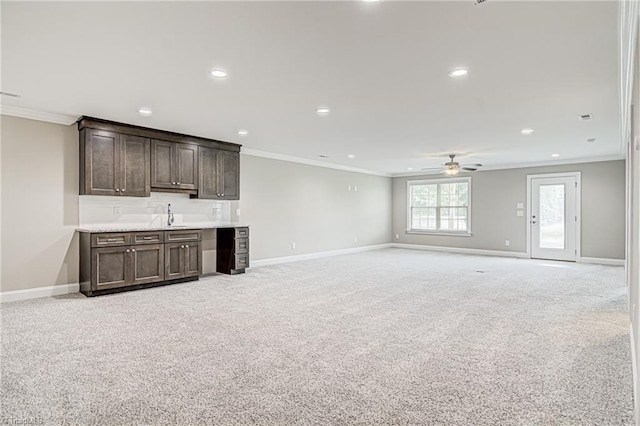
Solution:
(146, 132)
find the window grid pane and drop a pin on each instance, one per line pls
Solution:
(440, 206)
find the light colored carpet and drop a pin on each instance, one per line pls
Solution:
(385, 337)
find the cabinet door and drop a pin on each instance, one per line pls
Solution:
(147, 263)
(186, 166)
(208, 173)
(135, 166)
(162, 164)
(174, 257)
(110, 267)
(229, 175)
(193, 259)
(101, 171)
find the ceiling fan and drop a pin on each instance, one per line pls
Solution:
(452, 167)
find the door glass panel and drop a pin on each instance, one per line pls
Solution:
(552, 223)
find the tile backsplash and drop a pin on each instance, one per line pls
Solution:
(152, 211)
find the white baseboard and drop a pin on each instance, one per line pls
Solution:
(481, 252)
(34, 293)
(602, 261)
(318, 255)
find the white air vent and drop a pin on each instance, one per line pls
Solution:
(585, 117)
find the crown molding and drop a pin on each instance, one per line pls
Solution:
(524, 165)
(293, 159)
(49, 117)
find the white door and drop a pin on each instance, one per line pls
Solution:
(554, 218)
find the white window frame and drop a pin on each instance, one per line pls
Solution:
(410, 183)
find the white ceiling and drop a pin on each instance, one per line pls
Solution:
(381, 67)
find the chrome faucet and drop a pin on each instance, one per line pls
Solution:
(169, 215)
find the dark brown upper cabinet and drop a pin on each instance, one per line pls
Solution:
(219, 172)
(113, 164)
(174, 166)
(122, 159)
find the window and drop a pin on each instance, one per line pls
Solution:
(440, 206)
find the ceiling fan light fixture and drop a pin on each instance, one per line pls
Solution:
(451, 170)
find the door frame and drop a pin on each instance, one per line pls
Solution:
(578, 177)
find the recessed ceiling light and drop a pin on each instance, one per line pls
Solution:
(243, 132)
(555, 155)
(370, 1)
(351, 156)
(217, 73)
(458, 72)
(409, 168)
(322, 110)
(145, 112)
(526, 132)
(591, 140)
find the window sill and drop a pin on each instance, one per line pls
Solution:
(444, 234)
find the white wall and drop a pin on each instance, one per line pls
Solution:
(495, 193)
(39, 204)
(318, 209)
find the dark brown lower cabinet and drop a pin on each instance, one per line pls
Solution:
(114, 267)
(183, 260)
(232, 248)
(110, 267)
(148, 264)
(109, 263)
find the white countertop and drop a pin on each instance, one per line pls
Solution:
(123, 227)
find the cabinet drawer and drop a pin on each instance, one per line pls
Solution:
(242, 245)
(109, 240)
(242, 261)
(155, 237)
(179, 236)
(242, 232)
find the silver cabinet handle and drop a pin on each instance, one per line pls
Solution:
(127, 250)
(133, 250)
(173, 183)
(186, 246)
(122, 189)
(147, 238)
(178, 183)
(223, 194)
(112, 240)
(181, 246)
(117, 189)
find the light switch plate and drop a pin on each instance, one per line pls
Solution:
(520, 213)
(520, 206)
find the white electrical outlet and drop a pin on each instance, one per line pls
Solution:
(520, 213)
(520, 206)
(117, 211)
(397, 236)
(507, 242)
(293, 246)
(356, 188)
(348, 187)
(355, 239)
(238, 212)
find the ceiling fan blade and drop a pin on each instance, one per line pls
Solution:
(472, 165)
(469, 169)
